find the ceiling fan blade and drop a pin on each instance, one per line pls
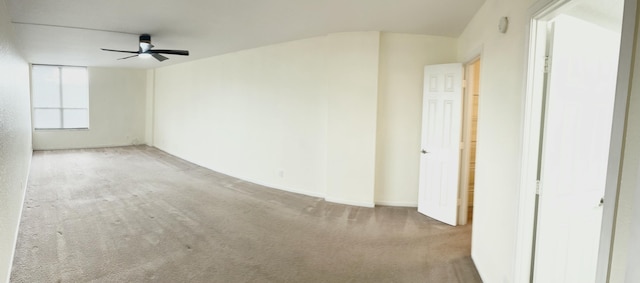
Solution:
(172, 52)
(123, 51)
(128, 57)
(159, 57)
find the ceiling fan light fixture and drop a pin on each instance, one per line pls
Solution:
(145, 46)
(144, 55)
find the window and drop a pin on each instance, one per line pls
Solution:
(60, 97)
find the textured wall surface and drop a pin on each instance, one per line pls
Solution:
(15, 141)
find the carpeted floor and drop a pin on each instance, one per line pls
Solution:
(137, 214)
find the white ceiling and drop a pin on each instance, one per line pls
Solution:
(71, 32)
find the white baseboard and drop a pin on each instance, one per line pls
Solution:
(349, 202)
(97, 146)
(251, 180)
(281, 188)
(397, 203)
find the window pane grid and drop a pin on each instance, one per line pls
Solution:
(59, 108)
(60, 97)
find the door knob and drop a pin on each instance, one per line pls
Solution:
(424, 151)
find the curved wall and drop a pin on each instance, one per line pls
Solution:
(259, 114)
(336, 116)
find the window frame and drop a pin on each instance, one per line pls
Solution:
(61, 108)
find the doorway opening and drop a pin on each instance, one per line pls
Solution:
(576, 95)
(469, 140)
(448, 146)
(449, 126)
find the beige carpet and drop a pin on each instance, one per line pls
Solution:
(137, 214)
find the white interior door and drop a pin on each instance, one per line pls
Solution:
(575, 147)
(440, 153)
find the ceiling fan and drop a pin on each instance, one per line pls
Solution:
(145, 50)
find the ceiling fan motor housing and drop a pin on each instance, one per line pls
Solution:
(145, 38)
(145, 44)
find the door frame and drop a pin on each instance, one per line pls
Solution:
(465, 155)
(525, 238)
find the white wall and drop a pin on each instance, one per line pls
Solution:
(304, 116)
(402, 61)
(15, 141)
(259, 114)
(116, 110)
(148, 119)
(352, 93)
(499, 132)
